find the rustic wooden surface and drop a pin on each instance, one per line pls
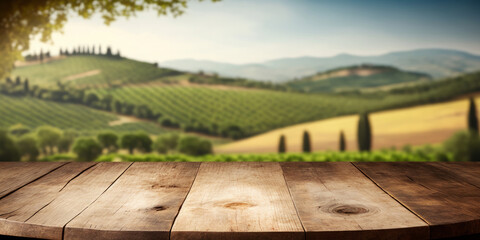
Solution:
(247, 200)
(238, 201)
(446, 196)
(15, 175)
(336, 201)
(142, 204)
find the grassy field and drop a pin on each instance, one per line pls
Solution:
(427, 124)
(32, 112)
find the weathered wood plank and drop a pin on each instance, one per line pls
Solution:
(336, 201)
(14, 175)
(142, 204)
(248, 200)
(42, 208)
(442, 196)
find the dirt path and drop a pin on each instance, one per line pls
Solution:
(82, 75)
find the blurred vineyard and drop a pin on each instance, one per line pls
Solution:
(203, 103)
(31, 112)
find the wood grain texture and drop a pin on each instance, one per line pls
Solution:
(141, 204)
(14, 175)
(336, 201)
(448, 198)
(242, 200)
(42, 208)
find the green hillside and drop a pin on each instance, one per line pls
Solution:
(32, 112)
(97, 70)
(355, 77)
(204, 103)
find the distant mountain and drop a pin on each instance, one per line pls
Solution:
(355, 77)
(438, 63)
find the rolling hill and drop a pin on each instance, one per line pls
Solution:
(426, 124)
(33, 112)
(438, 63)
(356, 77)
(206, 103)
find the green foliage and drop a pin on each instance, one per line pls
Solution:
(87, 149)
(144, 142)
(108, 140)
(18, 130)
(282, 145)
(194, 146)
(48, 137)
(140, 141)
(329, 82)
(306, 144)
(68, 137)
(342, 146)
(27, 145)
(8, 149)
(129, 141)
(22, 20)
(465, 146)
(32, 113)
(419, 155)
(166, 142)
(472, 117)
(364, 133)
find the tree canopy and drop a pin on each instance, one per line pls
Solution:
(20, 20)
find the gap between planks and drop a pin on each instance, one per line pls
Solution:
(391, 195)
(63, 229)
(181, 205)
(41, 176)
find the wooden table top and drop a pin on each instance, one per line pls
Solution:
(239, 200)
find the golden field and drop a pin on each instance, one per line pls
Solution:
(426, 124)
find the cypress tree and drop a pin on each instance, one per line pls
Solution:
(364, 136)
(282, 146)
(26, 88)
(342, 142)
(109, 51)
(41, 56)
(472, 117)
(306, 146)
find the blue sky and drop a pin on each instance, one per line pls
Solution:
(245, 31)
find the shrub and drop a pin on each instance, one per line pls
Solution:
(87, 149)
(67, 139)
(144, 142)
(194, 146)
(108, 140)
(18, 130)
(166, 142)
(27, 145)
(48, 137)
(140, 141)
(8, 149)
(129, 141)
(465, 146)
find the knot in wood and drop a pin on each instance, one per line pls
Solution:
(349, 209)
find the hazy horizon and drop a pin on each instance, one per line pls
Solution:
(240, 32)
